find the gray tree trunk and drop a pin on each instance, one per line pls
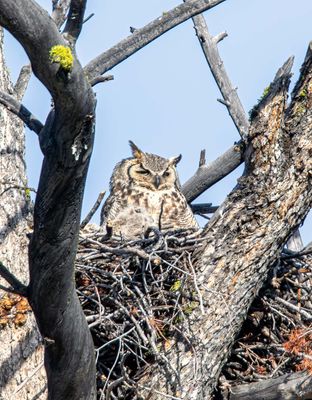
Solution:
(21, 352)
(243, 239)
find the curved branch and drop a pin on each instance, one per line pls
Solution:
(141, 37)
(67, 141)
(38, 33)
(22, 112)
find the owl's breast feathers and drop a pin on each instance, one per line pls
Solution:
(164, 210)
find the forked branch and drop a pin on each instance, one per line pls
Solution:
(141, 37)
(230, 98)
(208, 175)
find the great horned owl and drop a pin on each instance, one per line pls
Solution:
(145, 193)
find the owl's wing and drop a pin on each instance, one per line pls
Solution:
(111, 208)
(112, 205)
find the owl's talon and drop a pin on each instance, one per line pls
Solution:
(109, 233)
(156, 231)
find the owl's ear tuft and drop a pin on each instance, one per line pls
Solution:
(137, 153)
(175, 160)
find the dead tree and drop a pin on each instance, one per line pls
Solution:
(241, 241)
(15, 216)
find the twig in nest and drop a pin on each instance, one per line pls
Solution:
(93, 210)
(146, 297)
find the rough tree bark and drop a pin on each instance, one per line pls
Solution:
(287, 387)
(66, 142)
(245, 236)
(242, 239)
(21, 348)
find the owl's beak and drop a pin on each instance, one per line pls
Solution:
(157, 181)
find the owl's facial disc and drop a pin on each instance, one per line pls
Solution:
(152, 180)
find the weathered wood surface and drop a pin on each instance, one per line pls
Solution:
(21, 349)
(209, 174)
(245, 236)
(296, 386)
(66, 142)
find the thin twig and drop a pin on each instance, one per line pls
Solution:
(93, 210)
(101, 79)
(286, 303)
(200, 297)
(88, 18)
(230, 97)
(28, 378)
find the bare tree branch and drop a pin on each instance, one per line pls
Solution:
(88, 18)
(75, 20)
(203, 208)
(93, 210)
(208, 175)
(22, 82)
(291, 386)
(59, 11)
(141, 37)
(17, 286)
(101, 79)
(230, 97)
(22, 112)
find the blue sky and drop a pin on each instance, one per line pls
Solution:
(164, 97)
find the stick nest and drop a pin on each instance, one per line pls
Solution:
(135, 295)
(138, 295)
(276, 337)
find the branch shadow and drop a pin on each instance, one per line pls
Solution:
(17, 358)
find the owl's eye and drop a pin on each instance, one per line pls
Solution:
(143, 172)
(166, 173)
